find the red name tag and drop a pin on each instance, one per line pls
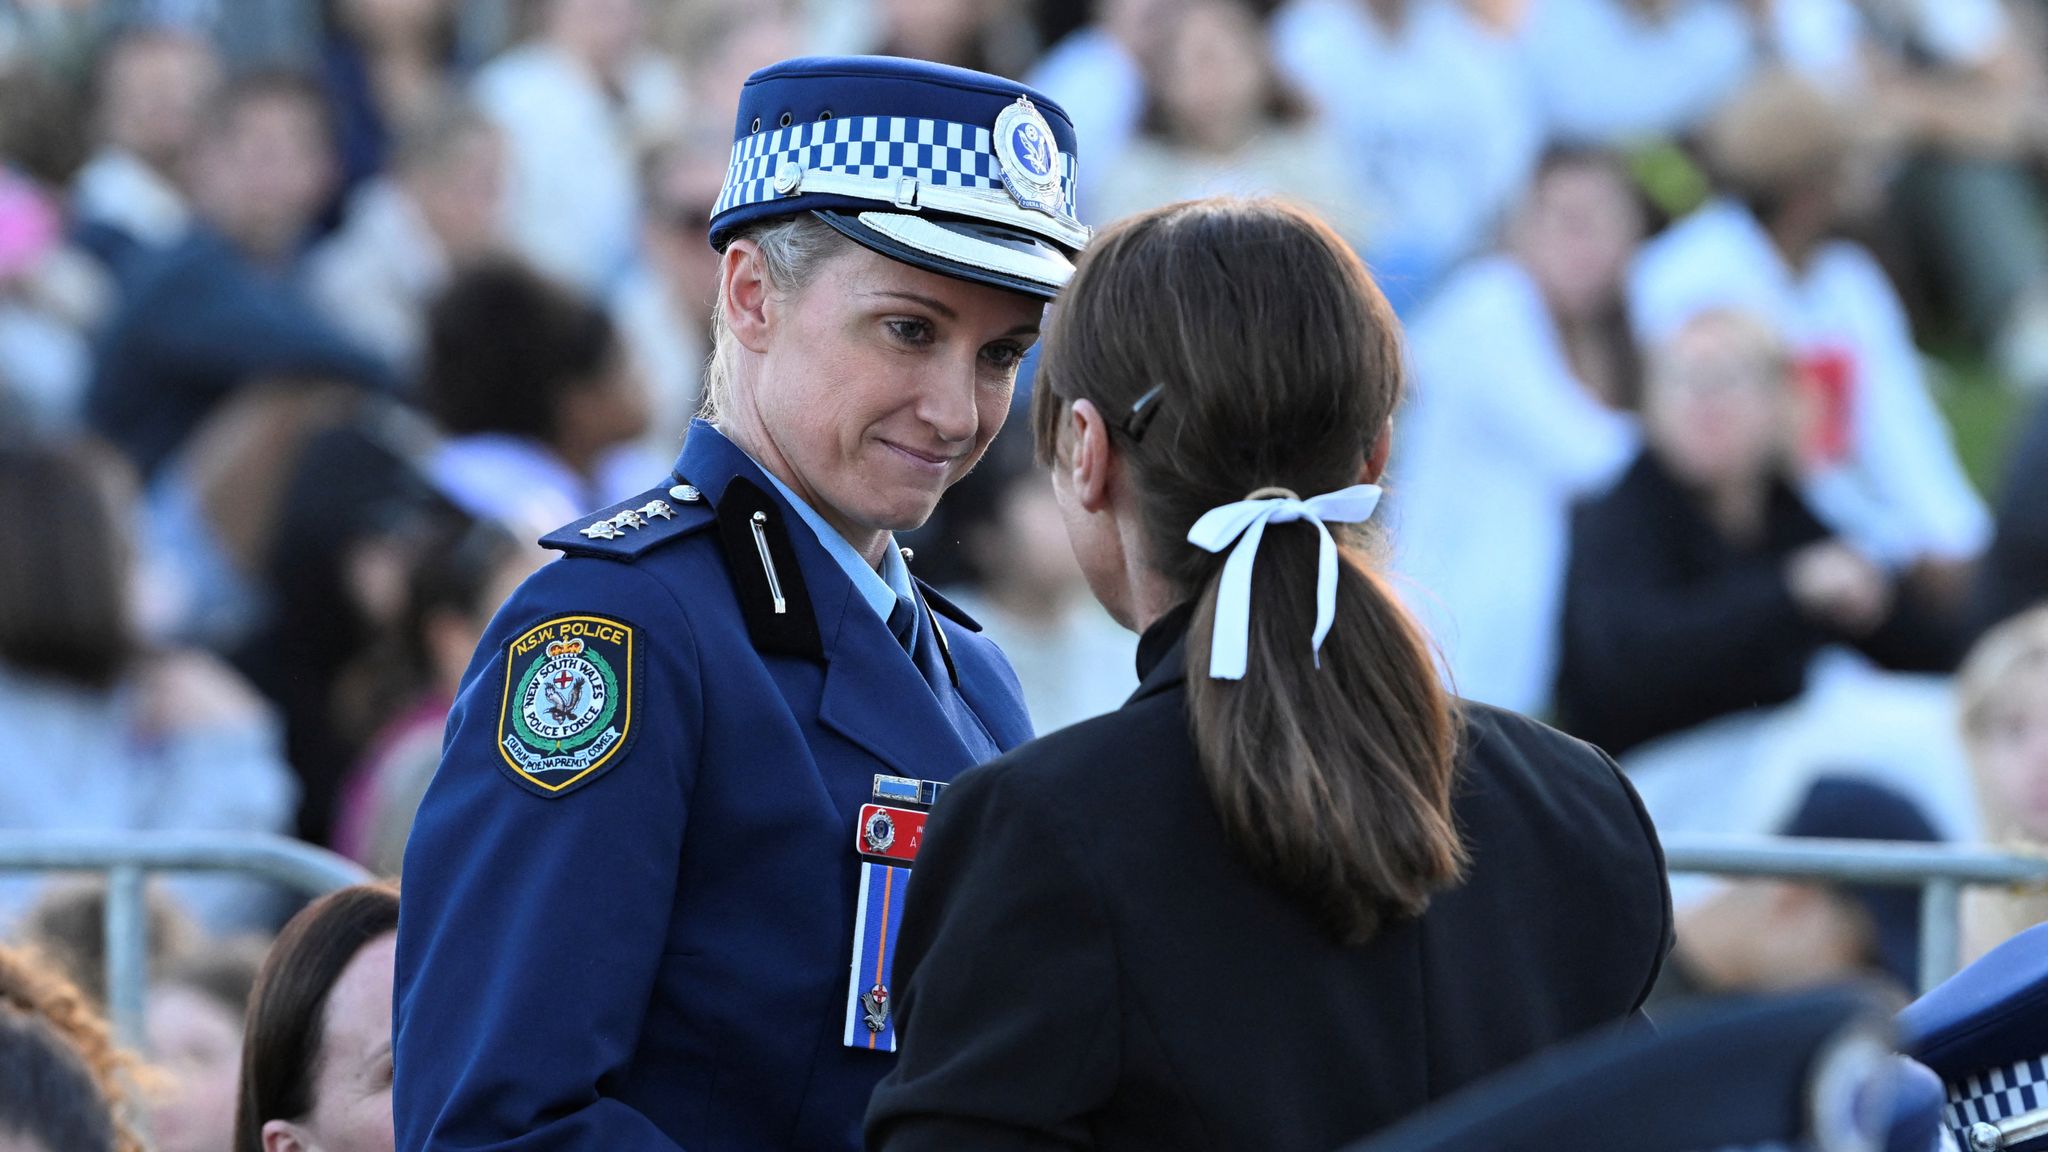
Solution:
(889, 833)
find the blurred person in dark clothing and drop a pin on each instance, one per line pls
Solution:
(407, 234)
(2014, 574)
(535, 392)
(1774, 935)
(152, 88)
(341, 544)
(222, 307)
(1702, 584)
(461, 572)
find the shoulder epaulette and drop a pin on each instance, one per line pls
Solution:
(631, 527)
(947, 608)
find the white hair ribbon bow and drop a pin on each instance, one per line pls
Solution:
(1245, 522)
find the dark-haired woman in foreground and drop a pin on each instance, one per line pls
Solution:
(1291, 891)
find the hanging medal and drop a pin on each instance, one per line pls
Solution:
(886, 838)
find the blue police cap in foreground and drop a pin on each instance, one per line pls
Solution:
(1985, 1033)
(954, 171)
(1807, 1073)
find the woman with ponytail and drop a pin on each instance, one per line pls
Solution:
(1291, 891)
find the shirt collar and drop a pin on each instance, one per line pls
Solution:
(880, 589)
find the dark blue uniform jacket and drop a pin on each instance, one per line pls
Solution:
(630, 931)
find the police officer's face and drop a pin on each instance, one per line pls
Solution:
(880, 384)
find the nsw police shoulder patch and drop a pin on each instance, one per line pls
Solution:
(568, 708)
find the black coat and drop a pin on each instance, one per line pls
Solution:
(1086, 963)
(1667, 625)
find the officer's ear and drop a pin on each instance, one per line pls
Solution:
(285, 1136)
(743, 292)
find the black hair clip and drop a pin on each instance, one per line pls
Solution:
(1142, 412)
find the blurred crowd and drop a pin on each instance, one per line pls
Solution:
(314, 314)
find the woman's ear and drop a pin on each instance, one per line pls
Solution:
(1376, 456)
(285, 1136)
(1090, 461)
(743, 292)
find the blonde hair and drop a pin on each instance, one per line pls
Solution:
(792, 249)
(2012, 650)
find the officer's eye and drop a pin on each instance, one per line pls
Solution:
(913, 332)
(1003, 355)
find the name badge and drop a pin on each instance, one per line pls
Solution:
(886, 838)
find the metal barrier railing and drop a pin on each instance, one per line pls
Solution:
(128, 857)
(1940, 871)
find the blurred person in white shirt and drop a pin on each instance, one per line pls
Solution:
(1882, 469)
(1434, 118)
(406, 234)
(1524, 372)
(152, 87)
(1619, 72)
(577, 104)
(1954, 91)
(664, 308)
(1220, 121)
(1097, 73)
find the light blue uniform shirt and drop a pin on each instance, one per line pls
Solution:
(880, 589)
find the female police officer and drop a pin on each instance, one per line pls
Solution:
(1290, 891)
(649, 899)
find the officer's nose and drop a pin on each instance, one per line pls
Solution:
(946, 403)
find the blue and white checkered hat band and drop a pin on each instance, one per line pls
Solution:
(886, 149)
(1999, 1094)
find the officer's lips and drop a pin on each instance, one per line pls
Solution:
(924, 462)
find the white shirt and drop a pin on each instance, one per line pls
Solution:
(1300, 164)
(520, 483)
(85, 761)
(573, 194)
(1902, 493)
(1608, 74)
(1436, 121)
(1498, 438)
(1080, 665)
(377, 276)
(118, 190)
(671, 355)
(880, 589)
(1102, 89)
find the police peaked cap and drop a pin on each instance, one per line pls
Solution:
(953, 171)
(1805, 1073)
(1984, 1031)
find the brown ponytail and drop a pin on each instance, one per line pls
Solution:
(1277, 363)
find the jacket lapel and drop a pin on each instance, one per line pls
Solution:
(873, 695)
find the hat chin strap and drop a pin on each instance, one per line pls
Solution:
(1997, 1135)
(909, 194)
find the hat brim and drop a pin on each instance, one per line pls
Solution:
(963, 249)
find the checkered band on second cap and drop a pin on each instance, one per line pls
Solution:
(1999, 1094)
(936, 152)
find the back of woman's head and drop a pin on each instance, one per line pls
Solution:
(505, 346)
(1237, 346)
(288, 1009)
(59, 1069)
(64, 562)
